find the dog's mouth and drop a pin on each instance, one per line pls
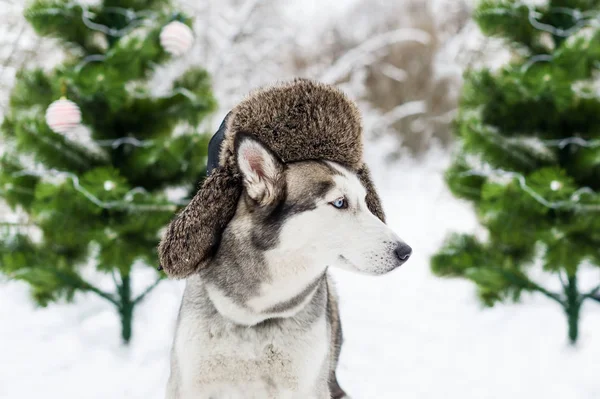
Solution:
(344, 259)
(346, 262)
(353, 267)
(396, 259)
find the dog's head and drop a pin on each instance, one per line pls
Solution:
(311, 213)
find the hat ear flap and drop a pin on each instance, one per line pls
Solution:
(373, 201)
(193, 237)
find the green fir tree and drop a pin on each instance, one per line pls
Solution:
(98, 200)
(529, 156)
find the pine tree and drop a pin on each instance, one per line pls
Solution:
(99, 199)
(529, 156)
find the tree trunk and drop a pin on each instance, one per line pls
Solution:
(126, 308)
(572, 308)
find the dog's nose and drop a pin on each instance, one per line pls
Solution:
(403, 252)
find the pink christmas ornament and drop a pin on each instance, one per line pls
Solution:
(63, 115)
(176, 38)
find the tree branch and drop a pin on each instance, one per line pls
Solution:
(562, 280)
(593, 294)
(354, 56)
(547, 293)
(400, 112)
(146, 291)
(16, 224)
(83, 285)
(13, 50)
(114, 277)
(530, 285)
(594, 298)
(240, 22)
(97, 291)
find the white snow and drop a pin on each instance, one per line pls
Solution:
(408, 334)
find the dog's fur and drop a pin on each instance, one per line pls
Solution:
(300, 120)
(261, 319)
(297, 121)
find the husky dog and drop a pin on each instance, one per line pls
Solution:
(262, 321)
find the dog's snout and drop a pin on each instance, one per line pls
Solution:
(403, 252)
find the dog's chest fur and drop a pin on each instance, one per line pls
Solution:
(278, 358)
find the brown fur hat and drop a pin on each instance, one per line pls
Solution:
(299, 120)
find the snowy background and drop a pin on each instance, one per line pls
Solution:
(408, 334)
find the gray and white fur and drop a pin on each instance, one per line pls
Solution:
(261, 320)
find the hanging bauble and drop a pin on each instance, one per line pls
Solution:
(63, 115)
(176, 38)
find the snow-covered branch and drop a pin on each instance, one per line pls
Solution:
(355, 57)
(240, 22)
(573, 203)
(400, 112)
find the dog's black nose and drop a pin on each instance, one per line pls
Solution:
(403, 252)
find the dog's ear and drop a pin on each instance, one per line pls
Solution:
(262, 171)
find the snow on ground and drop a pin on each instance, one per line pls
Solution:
(408, 334)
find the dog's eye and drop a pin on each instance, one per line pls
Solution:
(340, 203)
